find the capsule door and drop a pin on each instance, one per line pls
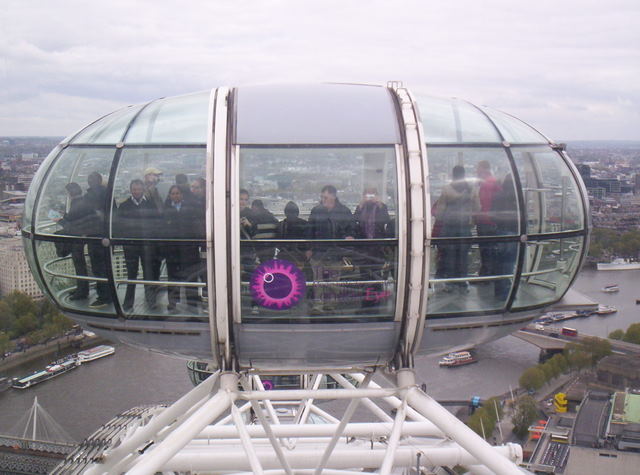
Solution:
(315, 241)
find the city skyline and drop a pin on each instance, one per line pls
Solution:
(569, 69)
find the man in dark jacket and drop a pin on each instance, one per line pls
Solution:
(96, 200)
(74, 223)
(328, 220)
(182, 259)
(132, 221)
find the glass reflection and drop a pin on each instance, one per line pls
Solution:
(176, 291)
(160, 169)
(82, 167)
(181, 119)
(468, 290)
(454, 121)
(551, 193)
(473, 193)
(548, 270)
(67, 270)
(109, 129)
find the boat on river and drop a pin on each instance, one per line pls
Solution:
(606, 310)
(94, 353)
(611, 288)
(618, 264)
(51, 371)
(458, 358)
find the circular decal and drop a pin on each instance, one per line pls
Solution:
(277, 284)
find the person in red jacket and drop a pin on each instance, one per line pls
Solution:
(485, 220)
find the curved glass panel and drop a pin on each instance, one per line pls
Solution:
(29, 202)
(514, 130)
(467, 277)
(318, 233)
(159, 198)
(73, 200)
(159, 169)
(549, 267)
(31, 260)
(480, 200)
(551, 194)
(454, 121)
(109, 129)
(181, 119)
(63, 263)
(173, 280)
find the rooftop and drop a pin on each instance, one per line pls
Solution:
(626, 408)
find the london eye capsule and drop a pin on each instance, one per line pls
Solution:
(305, 226)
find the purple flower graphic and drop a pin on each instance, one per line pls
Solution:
(277, 284)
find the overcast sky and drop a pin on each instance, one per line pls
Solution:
(570, 68)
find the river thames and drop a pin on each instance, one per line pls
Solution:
(90, 395)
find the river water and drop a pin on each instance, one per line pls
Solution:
(90, 395)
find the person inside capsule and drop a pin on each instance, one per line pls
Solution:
(182, 259)
(455, 208)
(134, 210)
(96, 198)
(328, 220)
(74, 224)
(371, 221)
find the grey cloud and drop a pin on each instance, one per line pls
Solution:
(564, 64)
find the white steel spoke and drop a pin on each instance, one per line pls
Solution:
(246, 440)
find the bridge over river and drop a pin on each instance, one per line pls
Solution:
(550, 339)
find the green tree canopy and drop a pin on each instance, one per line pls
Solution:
(560, 361)
(481, 419)
(526, 411)
(632, 335)
(532, 378)
(5, 343)
(617, 334)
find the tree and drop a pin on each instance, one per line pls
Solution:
(491, 405)
(483, 418)
(25, 324)
(526, 411)
(578, 358)
(5, 343)
(547, 370)
(552, 368)
(598, 347)
(632, 334)
(617, 334)
(532, 378)
(561, 362)
(14, 306)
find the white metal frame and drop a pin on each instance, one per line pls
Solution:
(212, 431)
(418, 220)
(217, 243)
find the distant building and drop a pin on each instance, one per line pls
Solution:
(14, 271)
(619, 371)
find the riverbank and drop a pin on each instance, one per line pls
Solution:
(53, 349)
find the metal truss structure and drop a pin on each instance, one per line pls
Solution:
(231, 424)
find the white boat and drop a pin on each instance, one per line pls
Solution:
(51, 371)
(618, 264)
(95, 353)
(458, 358)
(611, 288)
(606, 310)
